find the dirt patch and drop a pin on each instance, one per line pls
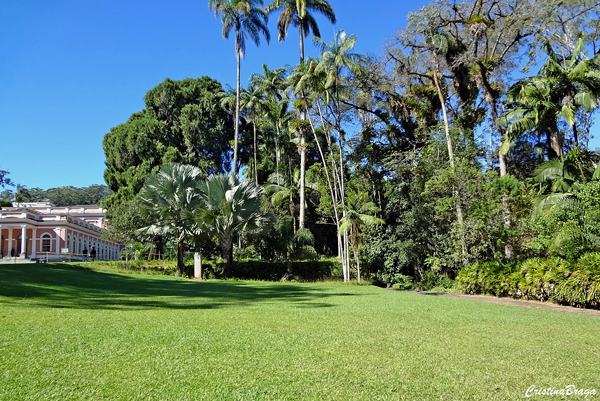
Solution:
(515, 302)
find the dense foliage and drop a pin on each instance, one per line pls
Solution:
(468, 141)
(569, 283)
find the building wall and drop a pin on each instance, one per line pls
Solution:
(49, 231)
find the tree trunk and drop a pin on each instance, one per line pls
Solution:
(331, 188)
(237, 107)
(459, 214)
(277, 155)
(198, 265)
(356, 259)
(255, 150)
(302, 178)
(509, 251)
(180, 265)
(227, 255)
(301, 41)
(335, 190)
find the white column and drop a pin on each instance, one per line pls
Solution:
(2, 247)
(23, 241)
(33, 243)
(10, 240)
(57, 240)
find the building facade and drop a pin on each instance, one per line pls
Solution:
(41, 230)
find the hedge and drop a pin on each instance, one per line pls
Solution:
(246, 269)
(556, 280)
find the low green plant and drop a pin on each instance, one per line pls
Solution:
(402, 282)
(433, 280)
(575, 283)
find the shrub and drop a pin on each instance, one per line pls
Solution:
(483, 277)
(569, 283)
(432, 279)
(401, 281)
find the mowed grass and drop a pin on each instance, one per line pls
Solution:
(80, 334)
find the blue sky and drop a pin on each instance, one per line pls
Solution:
(71, 69)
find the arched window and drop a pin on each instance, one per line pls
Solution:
(46, 243)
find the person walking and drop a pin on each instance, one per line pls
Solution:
(93, 253)
(84, 253)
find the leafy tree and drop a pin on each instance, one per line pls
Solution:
(4, 180)
(247, 20)
(169, 197)
(229, 207)
(183, 122)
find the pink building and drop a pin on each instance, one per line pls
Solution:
(39, 230)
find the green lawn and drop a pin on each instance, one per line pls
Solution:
(74, 333)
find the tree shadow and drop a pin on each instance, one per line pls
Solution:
(64, 286)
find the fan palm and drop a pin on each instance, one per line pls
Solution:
(296, 13)
(230, 206)
(168, 197)
(247, 19)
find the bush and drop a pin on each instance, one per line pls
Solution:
(483, 277)
(432, 279)
(568, 283)
(401, 282)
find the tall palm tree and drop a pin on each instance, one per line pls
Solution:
(247, 19)
(276, 113)
(296, 13)
(253, 102)
(230, 206)
(359, 213)
(168, 197)
(271, 84)
(337, 56)
(336, 59)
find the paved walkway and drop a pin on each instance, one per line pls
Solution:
(516, 302)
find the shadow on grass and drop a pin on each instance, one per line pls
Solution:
(62, 286)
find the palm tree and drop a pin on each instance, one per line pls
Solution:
(335, 59)
(296, 13)
(230, 206)
(247, 20)
(290, 191)
(168, 197)
(271, 82)
(253, 102)
(276, 113)
(359, 213)
(562, 87)
(566, 175)
(337, 56)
